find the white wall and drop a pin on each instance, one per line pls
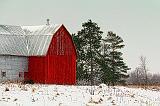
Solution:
(12, 65)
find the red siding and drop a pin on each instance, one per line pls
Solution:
(37, 68)
(59, 65)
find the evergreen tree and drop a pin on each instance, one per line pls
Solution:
(81, 73)
(87, 41)
(113, 67)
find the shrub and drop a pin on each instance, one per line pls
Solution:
(6, 89)
(28, 82)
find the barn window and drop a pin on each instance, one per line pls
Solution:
(20, 74)
(62, 43)
(3, 73)
(25, 75)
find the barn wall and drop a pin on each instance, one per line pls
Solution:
(13, 66)
(62, 59)
(37, 66)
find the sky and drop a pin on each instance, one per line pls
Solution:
(136, 21)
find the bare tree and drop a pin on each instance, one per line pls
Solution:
(155, 79)
(144, 68)
(140, 75)
(137, 76)
(137, 72)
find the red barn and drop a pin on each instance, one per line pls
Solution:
(50, 53)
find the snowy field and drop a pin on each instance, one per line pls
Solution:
(59, 95)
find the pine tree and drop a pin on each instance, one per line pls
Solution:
(87, 42)
(81, 73)
(114, 69)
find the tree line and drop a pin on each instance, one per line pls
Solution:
(99, 60)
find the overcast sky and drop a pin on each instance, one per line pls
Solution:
(136, 21)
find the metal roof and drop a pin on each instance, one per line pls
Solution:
(26, 40)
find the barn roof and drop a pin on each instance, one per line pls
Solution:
(26, 40)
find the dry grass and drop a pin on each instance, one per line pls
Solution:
(151, 87)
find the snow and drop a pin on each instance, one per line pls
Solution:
(41, 29)
(33, 28)
(65, 95)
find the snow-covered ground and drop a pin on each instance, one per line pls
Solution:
(59, 95)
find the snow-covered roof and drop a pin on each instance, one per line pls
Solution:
(26, 40)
